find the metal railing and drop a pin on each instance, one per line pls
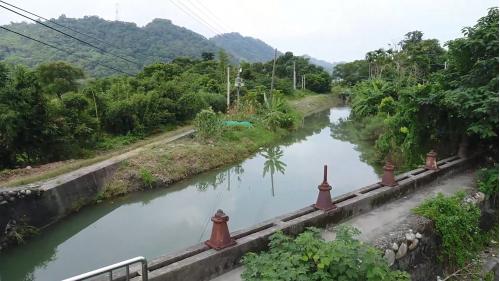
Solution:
(109, 269)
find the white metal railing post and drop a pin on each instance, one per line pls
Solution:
(109, 269)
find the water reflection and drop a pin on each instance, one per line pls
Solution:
(347, 130)
(160, 221)
(273, 163)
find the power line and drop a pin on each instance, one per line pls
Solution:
(222, 23)
(60, 25)
(189, 13)
(199, 17)
(61, 50)
(202, 12)
(71, 36)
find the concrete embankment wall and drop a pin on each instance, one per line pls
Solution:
(201, 263)
(42, 204)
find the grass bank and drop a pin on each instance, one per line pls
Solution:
(164, 164)
(24, 176)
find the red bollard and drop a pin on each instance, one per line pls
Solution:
(220, 237)
(388, 177)
(324, 201)
(430, 161)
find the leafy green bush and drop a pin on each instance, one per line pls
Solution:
(457, 223)
(216, 101)
(488, 183)
(147, 177)
(189, 105)
(208, 124)
(309, 258)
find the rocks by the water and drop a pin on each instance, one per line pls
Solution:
(413, 244)
(409, 236)
(395, 246)
(418, 235)
(403, 249)
(389, 257)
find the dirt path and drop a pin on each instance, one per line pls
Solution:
(34, 174)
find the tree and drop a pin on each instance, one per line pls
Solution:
(207, 56)
(352, 72)
(58, 78)
(23, 112)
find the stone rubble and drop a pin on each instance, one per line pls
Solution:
(411, 240)
(10, 196)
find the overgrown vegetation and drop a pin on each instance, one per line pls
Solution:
(49, 113)
(172, 162)
(418, 95)
(488, 183)
(457, 223)
(309, 258)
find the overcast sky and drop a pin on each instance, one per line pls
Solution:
(332, 30)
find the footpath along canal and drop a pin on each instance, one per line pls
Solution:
(276, 180)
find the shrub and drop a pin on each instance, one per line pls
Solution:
(310, 258)
(488, 183)
(216, 101)
(208, 124)
(147, 177)
(189, 105)
(457, 223)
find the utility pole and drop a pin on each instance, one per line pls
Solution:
(272, 77)
(228, 88)
(294, 77)
(238, 83)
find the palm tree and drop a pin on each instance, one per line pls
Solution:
(273, 163)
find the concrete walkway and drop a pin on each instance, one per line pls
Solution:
(382, 220)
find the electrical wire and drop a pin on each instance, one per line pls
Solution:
(60, 25)
(62, 50)
(190, 14)
(203, 11)
(71, 36)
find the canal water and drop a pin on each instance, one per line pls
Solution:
(274, 181)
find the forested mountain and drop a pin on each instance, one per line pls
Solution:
(158, 41)
(326, 65)
(243, 47)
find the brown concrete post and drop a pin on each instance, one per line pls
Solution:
(388, 177)
(324, 201)
(430, 161)
(220, 237)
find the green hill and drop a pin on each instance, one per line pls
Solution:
(244, 48)
(160, 40)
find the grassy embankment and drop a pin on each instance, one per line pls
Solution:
(23, 176)
(164, 164)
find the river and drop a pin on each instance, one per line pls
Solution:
(276, 180)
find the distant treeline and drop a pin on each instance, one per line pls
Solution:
(55, 112)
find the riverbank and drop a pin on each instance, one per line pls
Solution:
(165, 164)
(157, 164)
(28, 175)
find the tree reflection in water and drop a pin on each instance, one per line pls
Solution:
(273, 163)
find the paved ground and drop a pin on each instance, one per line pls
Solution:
(378, 221)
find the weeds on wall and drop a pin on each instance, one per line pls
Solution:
(308, 257)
